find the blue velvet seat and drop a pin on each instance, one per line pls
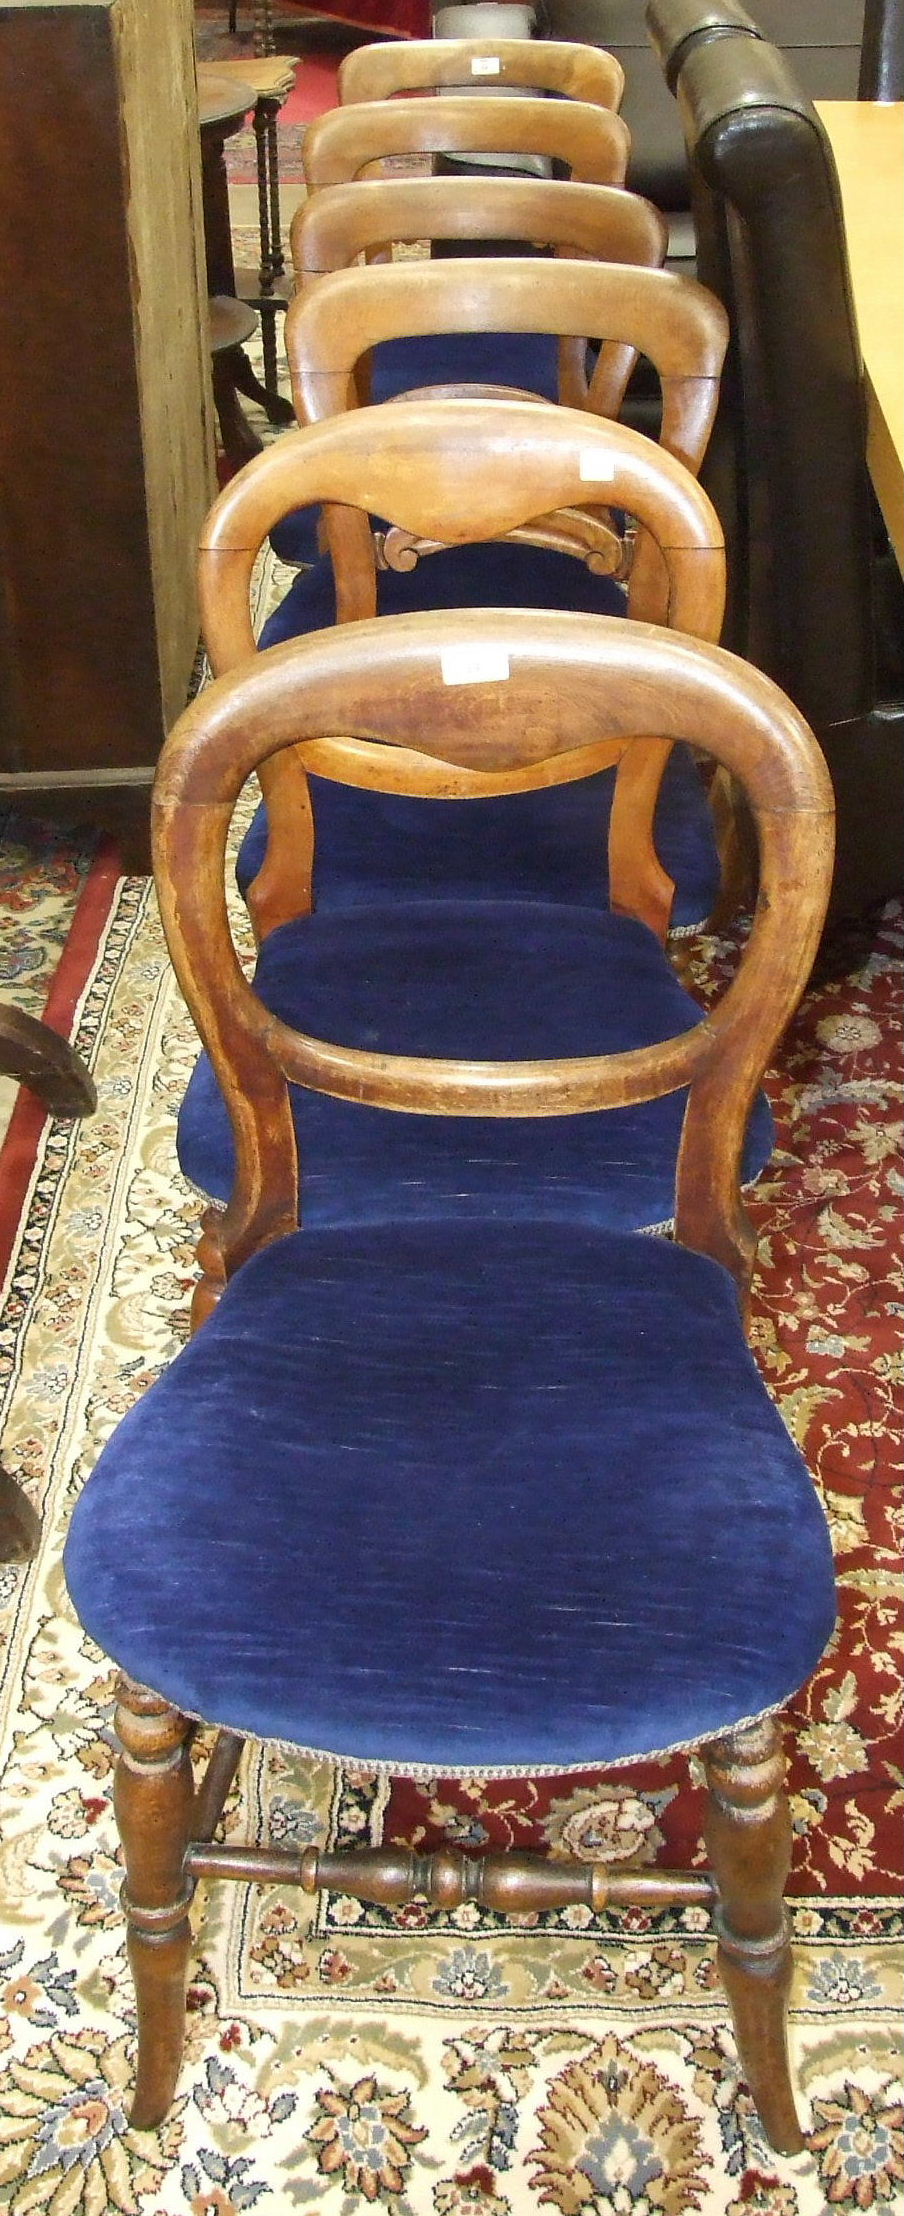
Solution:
(550, 845)
(479, 979)
(477, 1429)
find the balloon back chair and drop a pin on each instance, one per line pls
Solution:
(475, 864)
(670, 320)
(515, 68)
(487, 65)
(567, 1526)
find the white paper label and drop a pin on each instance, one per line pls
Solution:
(474, 665)
(594, 468)
(486, 65)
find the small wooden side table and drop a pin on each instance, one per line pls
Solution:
(269, 288)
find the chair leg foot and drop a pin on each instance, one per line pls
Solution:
(748, 1837)
(153, 1797)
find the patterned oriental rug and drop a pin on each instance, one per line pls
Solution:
(339, 2056)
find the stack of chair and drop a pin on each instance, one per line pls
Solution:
(460, 1473)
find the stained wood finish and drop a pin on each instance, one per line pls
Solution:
(567, 675)
(472, 470)
(35, 1055)
(153, 1796)
(340, 145)
(547, 65)
(508, 1883)
(602, 221)
(106, 449)
(748, 1839)
(20, 1524)
(680, 326)
(672, 320)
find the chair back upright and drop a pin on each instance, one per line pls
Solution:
(491, 691)
(482, 64)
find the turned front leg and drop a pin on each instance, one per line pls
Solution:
(153, 1799)
(748, 1838)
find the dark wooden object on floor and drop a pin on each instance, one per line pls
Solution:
(106, 450)
(36, 1056)
(231, 323)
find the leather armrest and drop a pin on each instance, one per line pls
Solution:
(674, 24)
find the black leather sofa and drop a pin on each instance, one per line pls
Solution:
(821, 38)
(815, 596)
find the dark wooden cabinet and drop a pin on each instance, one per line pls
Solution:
(106, 447)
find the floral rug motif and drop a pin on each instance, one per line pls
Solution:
(447, 2066)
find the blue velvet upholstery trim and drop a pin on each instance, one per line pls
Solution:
(525, 359)
(546, 845)
(472, 1496)
(512, 980)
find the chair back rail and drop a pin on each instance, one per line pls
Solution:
(672, 320)
(680, 326)
(602, 221)
(543, 65)
(341, 144)
(474, 470)
(494, 690)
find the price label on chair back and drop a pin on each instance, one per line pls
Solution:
(474, 665)
(594, 468)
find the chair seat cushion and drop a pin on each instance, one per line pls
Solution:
(515, 980)
(527, 360)
(547, 845)
(483, 1497)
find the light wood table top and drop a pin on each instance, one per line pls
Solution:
(867, 139)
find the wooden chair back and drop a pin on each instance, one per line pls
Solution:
(540, 65)
(675, 322)
(492, 692)
(672, 320)
(473, 470)
(602, 222)
(342, 144)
